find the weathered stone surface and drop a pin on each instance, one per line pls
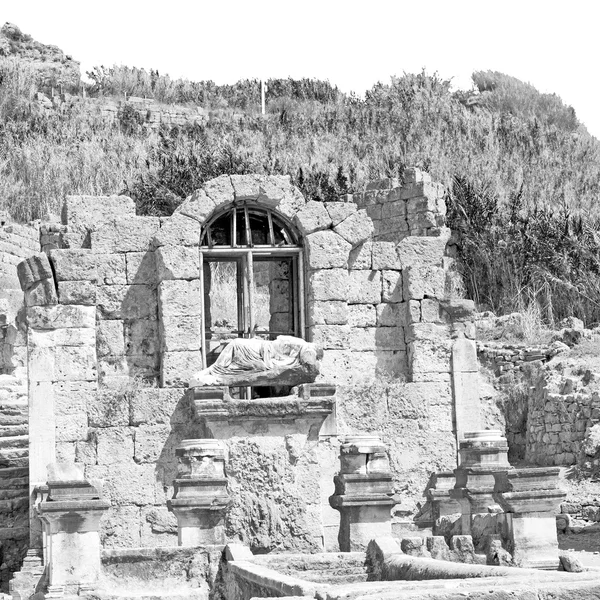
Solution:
(392, 289)
(71, 397)
(431, 311)
(71, 428)
(340, 211)
(120, 527)
(50, 338)
(126, 301)
(198, 206)
(141, 267)
(34, 269)
(115, 447)
(141, 337)
(392, 314)
(312, 217)
(159, 405)
(77, 292)
(140, 486)
(180, 333)
(385, 256)
(328, 284)
(108, 408)
(364, 287)
(178, 367)
(356, 229)
(327, 250)
(109, 338)
(74, 265)
(422, 250)
(362, 315)
(41, 293)
(111, 269)
(361, 256)
(150, 442)
(344, 367)
(220, 190)
(81, 211)
(177, 230)
(179, 298)
(124, 234)
(177, 262)
(331, 336)
(334, 312)
(56, 317)
(424, 282)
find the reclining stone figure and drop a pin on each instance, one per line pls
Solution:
(287, 360)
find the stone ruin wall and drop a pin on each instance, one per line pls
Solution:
(114, 335)
(16, 243)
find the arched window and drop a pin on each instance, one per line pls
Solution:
(252, 284)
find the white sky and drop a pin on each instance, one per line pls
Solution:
(554, 46)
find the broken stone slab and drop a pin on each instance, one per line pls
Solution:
(312, 217)
(34, 269)
(356, 229)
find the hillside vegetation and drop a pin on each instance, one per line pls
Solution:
(523, 173)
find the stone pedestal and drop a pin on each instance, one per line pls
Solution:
(481, 455)
(442, 504)
(363, 492)
(71, 531)
(200, 497)
(531, 497)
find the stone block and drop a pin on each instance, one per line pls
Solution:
(177, 368)
(343, 367)
(159, 405)
(427, 189)
(357, 228)
(85, 452)
(393, 209)
(124, 234)
(141, 337)
(77, 292)
(198, 206)
(431, 311)
(391, 364)
(126, 302)
(75, 363)
(110, 338)
(392, 314)
(328, 284)
(464, 356)
(49, 338)
(71, 397)
(177, 262)
(65, 452)
(361, 256)
(179, 298)
(362, 315)
(150, 441)
(392, 288)
(115, 447)
(422, 250)
(109, 408)
(179, 333)
(414, 311)
(34, 269)
(364, 287)
(113, 371)
(314, 216)
(339, 211)
(427, 356)
(141, 268)
(424, 282)
(385, 256)
(334, 312)
(125, 483)
(177, 230)
(41, 293)
(74, 265)
(120, 527)
(111, 269)
(330, 336)
(391, 229)
(78, 211)
(327, 250)
(71, 428)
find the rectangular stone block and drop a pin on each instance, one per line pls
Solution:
(77, 292)
(71, 428)
(327, 250)
(120, 527)
(159, 405)
(330, 336)
(361, 257)
(115, 447)
(177, 262)
(178, 230)
(179, 298)
(108, 408)
(334, 312)
(328, 284)
(362, 315)
(141, 267)
(126, 301)
(391, 286)
(59, 316)
(177, 368)
(431, 311)
(427, 356)
(385, 256)
(150, 442)
(126, 483)
(110, 338)
(71, 397)
(111, 367)
(426, 189)
(392, 314)
(392, 364)
(364, 287)
(41, 293)
(111, 269)
(141, 337)
(74, 265)
(344, 367)
(75, 363)
(180, 333)
(424, 282)
(125, 234)
(49, 338)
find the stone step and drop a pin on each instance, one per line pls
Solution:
(13, 505)
(16, 458)
(17, 483)
(14, 533)
(14, 442)
(13, 472)
(14, 494)
(13, 418)
(12, 430)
